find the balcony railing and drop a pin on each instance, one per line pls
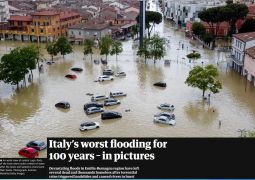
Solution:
(237, 61)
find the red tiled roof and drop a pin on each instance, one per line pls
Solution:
(251, 52)
(245, 37)
(20, 18)
(45, 13)
(67, 14)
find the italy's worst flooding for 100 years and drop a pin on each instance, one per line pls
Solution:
(105, 144)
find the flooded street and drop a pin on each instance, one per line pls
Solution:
(30, 113)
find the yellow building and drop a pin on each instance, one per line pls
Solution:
(41, 26)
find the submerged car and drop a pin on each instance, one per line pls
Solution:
(63, 104)
(108, 72)
(164, 120)
(92, 104)
(117, 94)
(71, 76)
(110, 115)
(89, 126)
(77, 69)
(98, 97)
(111, 102)
(160, 84)
(93, 110)
(166, 114)
(105, 78)
(104, 61)
(28, 152)
(166, 106)
(38, 145)
(96, 61)
(121, 74)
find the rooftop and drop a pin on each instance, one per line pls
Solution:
(20, 18)
(245, 37)
(91, 25)
(251, 52)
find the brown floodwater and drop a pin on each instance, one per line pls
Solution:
(30, 114)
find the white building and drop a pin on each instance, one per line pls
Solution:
(240, 43)
(4, 11)
(181, 11)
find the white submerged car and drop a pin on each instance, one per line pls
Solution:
(166, 106)
(111, 102)
(164, 120)
(117, 94)
(98, 98)
(89, 126)
(105, 78)
(121, 74)
(93, 110)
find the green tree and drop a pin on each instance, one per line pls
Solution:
(105, 46)
(157, 47)
(116, 48)
(248, 26)
(204, 79)
(233, 12)
(144, 49)
(151, 17)
(198, 29)
(88, 47)
(135, 31)
(207, 38)
(213, 17)
(64, 46)
(29, 55)
(52, 49)
(12, 68)
(194, 55)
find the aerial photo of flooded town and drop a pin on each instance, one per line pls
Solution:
(124, 68)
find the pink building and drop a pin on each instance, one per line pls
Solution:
(249, 64)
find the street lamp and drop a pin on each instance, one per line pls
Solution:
(245, 75)
(209, 95)
(178, 55)
(202, 63)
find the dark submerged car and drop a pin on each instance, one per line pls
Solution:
(63, 104)
(160, 84)
(77, 69)
(110, 115)
(38, 145)
(92, 104)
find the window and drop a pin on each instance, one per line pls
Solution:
(32, 30)
(79, 32)
(41, 30)
(19, 23)
(72, 32)
(38, 23)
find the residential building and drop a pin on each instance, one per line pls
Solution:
(249, 64)
(240, 43)
(4, 11)
(89, 30)
(41, 26)
(181, 11)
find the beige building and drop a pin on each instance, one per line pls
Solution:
(249, 64)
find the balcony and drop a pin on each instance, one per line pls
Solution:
(237, 61)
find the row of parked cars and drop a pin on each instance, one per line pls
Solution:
(32, 149)
(165, 117)
(108, 75)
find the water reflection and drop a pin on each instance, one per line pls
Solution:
(201, 113)
(23, 104)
